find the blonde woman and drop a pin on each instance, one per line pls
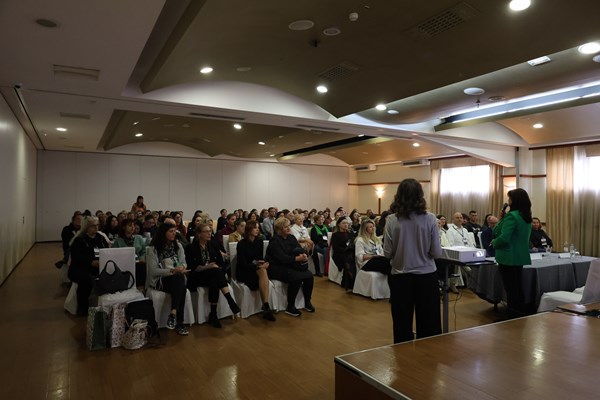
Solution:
(369, 251)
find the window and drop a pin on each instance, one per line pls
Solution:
(585, 178)
(465, 181)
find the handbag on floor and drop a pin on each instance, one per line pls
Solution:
(118, 324)
(136, 335)
(142, 310)
(98, 328)
(115, 282)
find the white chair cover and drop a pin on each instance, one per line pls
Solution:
(162, 307)
(120, 297)
(232, 251)
(124, 257)
(249, 300)
(202, 306)
(71, 300)
(335, 275)
(63, 274)
(591, 291)
(226, 243)
(371, 284)
(278, 296)
(479, 238)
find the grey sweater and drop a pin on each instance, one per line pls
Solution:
(412, 243)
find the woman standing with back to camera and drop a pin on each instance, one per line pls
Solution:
(412, 242)
(511, 241)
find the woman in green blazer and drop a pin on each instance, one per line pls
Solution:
(511, 241)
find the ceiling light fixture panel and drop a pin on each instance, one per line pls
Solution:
(589, 48)
(539, 61)
(519, 5)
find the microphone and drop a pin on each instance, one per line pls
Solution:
(504, 207)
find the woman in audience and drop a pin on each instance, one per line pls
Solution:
(412, 243)
(84, 266)
(442, 222)
(369, 252)
(253, 216)
(67, 234)
(380, 227)
(192, 227)
(355, 222)
(206, 263)
(441, 264)
(166, 272)
(128, 238)
(178, 217)
(111, 227)
(238, 233)
(318, 234)
(252, 268)
(288, 263)
(327, 217)
(512, 249)
(244, 215)
(264, 213)
(222, 221)
(342, 247)
(139, 205)
(301, 234)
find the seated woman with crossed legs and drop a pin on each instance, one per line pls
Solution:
(206, 264)
(252, 268)
(369, 251)
(165, 262)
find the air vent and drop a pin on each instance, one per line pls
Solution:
(444, 21)
(68, 72)
(415, 163)
(339, 71)
(73, 115)
(73, 147)
(322, 128)
(369, 167)
(213, 116)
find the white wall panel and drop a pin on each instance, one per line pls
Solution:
(155, 183)
(298, 186)
(209, 179)
(257, 190)
(279, 176)
(91, 182)
(234, 185)
(124, 182)
(338, 184)
(182, 196)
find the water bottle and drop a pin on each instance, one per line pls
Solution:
(566, 247)
(572, 250)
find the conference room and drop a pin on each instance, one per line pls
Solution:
(210, 105)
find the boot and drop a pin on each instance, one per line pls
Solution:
(232, 304)
(214, 320)
(267, 313)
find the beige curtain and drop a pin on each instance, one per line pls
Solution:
(559, 193)
(586, 206)
(435, 205)
(496, 196)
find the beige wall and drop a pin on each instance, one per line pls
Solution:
(17, 180)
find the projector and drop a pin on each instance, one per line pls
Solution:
(463, 254)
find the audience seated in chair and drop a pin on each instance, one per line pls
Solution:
(67, 234)
(318, 234)
(300, 232)
(342, 247)
(228, 229)
(538, 240)
(369, 251)
(206, 263)
(165, 260)
(487, 234)
(127, 238)
(287, 266)
(252, 268)
(238, 233)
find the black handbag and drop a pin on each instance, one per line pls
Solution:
(115, 282)
(142, 310)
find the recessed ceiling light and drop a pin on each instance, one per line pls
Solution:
(261, 143)
(539, 61)
(322, 89)
(496, 98)
(416, 144)
(155, 118)
(393, 112)
(597, 58)
(538, 126)
(361, 135)
(332, 31)
(307, 142)
(136, 122)
(206, 70)
(237, 126)
(519, 5)
(589, 48)
(243, 69)
(139, 134)
(206, 140)
(271, 155)
(301, 25)
(474, 91)
(61, 129)
(381, 107)
(46, 23)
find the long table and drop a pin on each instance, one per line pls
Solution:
(543, 356)
(548, 274)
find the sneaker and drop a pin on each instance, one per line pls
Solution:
(309, 307)
(294, 312)
(171, 321)
(268, 315)
(181, 330)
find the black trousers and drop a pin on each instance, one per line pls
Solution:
(212, 278)
(85, 284)
(418, 294)
(175, 286)
(296, 280)
(323, 251)
(512, 278)
(378, 264)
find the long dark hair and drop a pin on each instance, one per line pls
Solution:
(409, 198)
(159, 241)
(520, 202)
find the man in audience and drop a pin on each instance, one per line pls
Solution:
(222, 221)
(457, 234)
(149, 226)
(228, 229)
(473, 226)
(68, 232)
(267, 224)
(539, 240)
(487, 235)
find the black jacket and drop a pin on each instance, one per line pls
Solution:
(280, 255)
(247, 253)
(82, 252)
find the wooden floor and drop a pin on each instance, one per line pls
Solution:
(43, 353)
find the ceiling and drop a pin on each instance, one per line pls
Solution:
(109, 70)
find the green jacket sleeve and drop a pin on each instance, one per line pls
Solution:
(504, 231)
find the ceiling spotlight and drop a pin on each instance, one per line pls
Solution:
(353, 16)
(243, 69)
(539, 61)
(61, 129)
(136, 122)
(474, 91)
(271, 155)
(361, 135)
(261, 143)
(139, 134)
(381, 107)
(322, 89)
(206, 70)
(538, 126)
(416, 144)
(393, 112)
(589, 48)
(332, 31)
(237, 126)
(519, 5)
(301, 25)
